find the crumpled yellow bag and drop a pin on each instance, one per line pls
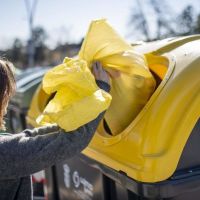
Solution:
(132, 88)
(78, 99)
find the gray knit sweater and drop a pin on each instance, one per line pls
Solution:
(25, 153)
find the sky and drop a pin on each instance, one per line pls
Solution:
(66, 20)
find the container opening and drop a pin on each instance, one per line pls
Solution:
(158, 66)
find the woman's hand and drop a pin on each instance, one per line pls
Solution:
(99, 73)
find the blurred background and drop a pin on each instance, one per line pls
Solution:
(37, 34)
(42, 32)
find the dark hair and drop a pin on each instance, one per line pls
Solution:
(7, 87)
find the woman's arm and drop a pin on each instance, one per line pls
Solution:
(22, 155)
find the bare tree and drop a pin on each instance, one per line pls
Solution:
(30, 16)
(164, 18)
(185, 21)
(138, 21)
(165, 23)
(197, 25)
(39, 37)
(17, 50)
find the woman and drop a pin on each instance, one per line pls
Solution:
(30, 151)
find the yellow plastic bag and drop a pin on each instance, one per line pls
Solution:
(81, 101)
(132, 88)
(78, 99)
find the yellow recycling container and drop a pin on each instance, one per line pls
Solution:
(150, 147)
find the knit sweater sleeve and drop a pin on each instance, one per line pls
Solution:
(27, 152)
